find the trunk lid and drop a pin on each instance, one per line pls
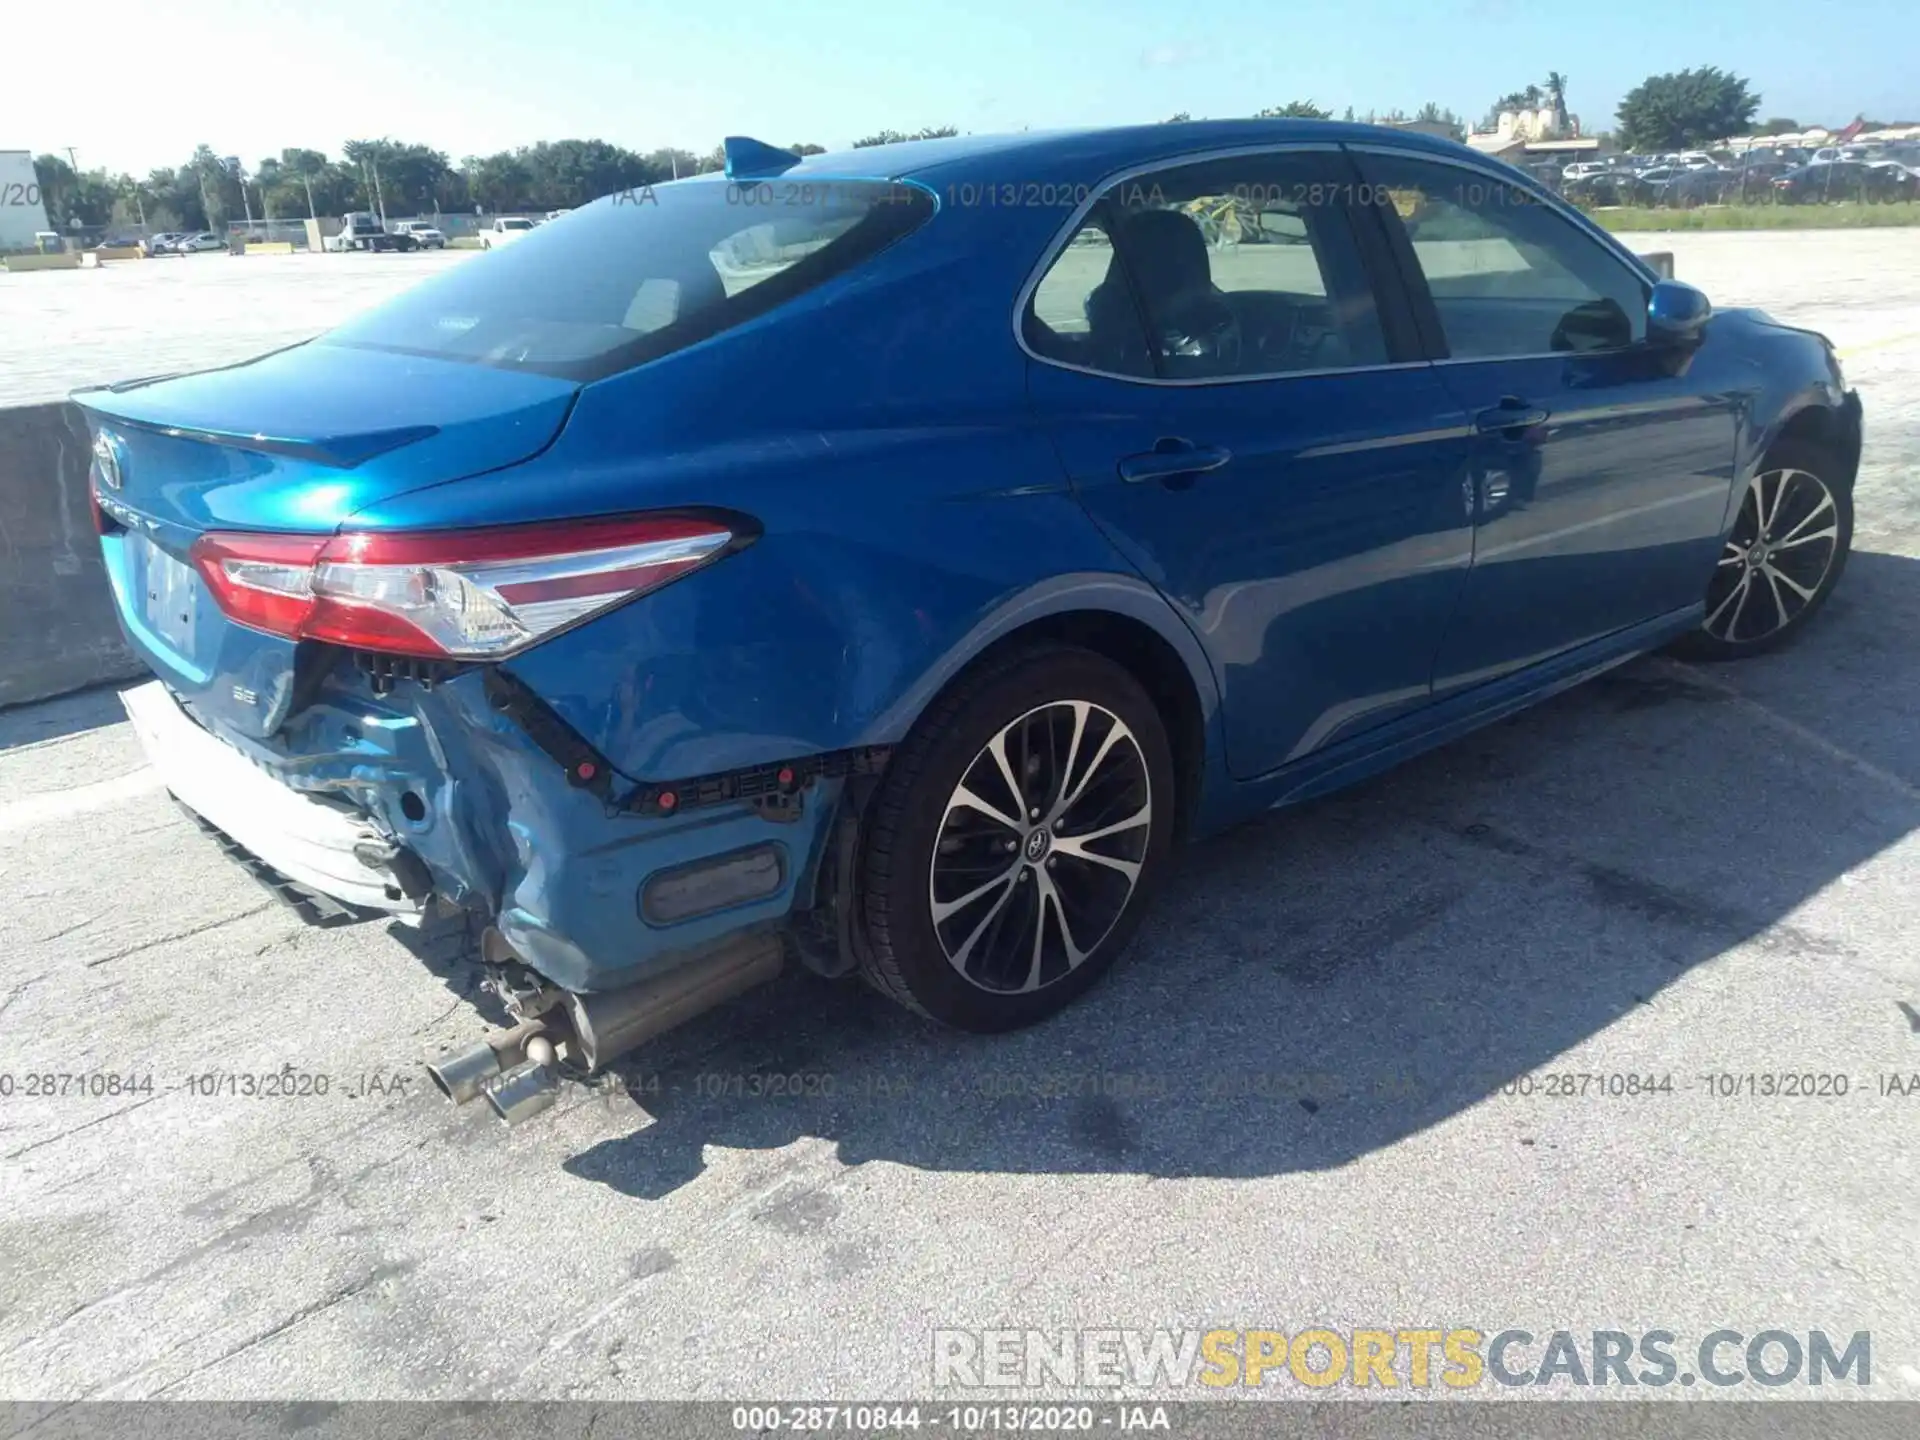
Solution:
(295, 442)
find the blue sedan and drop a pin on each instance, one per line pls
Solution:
(878, 562)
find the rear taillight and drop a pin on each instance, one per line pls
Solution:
(475, 594)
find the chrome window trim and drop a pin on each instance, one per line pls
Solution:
(1098, 192)
(1637, 345)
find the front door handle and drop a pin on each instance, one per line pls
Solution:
(1172, 459)
(1512, 417)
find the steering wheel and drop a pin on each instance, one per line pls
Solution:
(1200, 326)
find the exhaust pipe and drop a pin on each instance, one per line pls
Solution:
(529, 1087)
(464, 1075)
(517, 1070)
(606, 1026)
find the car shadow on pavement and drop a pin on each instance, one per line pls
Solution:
(64, 715)
(1334, 978)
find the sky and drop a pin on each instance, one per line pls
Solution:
(133, 84)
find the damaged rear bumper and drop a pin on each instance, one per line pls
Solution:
(452, 788)
(312, 842)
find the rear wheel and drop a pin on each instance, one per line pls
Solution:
(1012, 844)
(1787, 550)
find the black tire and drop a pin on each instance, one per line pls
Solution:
(1795, 514)
(904, 956)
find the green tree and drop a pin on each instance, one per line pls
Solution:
(218, 187)
(365, 156)
(410, 176)
(1293, 110)
(1178, 119)
(670, 163)
(894, 137)
(57, 184)
(1432, 114)
(1686, 108)
(1527, 99)
(570, 173)
(1777, 126)
(303, 168)
(498, 183)
(173, 201)
(1556, 96)
(86, 198)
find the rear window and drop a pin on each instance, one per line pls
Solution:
(639, 275)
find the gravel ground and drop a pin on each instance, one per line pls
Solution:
(1275, 1114)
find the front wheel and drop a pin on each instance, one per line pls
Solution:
(1787, 550)
(1010, 848)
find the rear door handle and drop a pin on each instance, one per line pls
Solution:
(1510, 418)
(1172, 458)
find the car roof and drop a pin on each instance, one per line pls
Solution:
(1098, 151)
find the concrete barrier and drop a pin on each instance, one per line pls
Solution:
(1661, 261)
(18, 264)
(118, 252)
(57, 627)
(465, 242)
(269, 247)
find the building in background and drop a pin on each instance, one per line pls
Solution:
(23, 212)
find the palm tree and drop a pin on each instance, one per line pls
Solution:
(307, 166)
(1557, 95)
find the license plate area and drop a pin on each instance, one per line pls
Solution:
(169, 595)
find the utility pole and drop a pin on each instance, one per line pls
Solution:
(379, 200)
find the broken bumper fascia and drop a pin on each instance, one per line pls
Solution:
(312, 842)
(558, 862)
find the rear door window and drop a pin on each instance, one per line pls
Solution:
(1082, 313)
(1233, 268)
(638, 275)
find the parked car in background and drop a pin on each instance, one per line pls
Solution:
(199, 243)
(163, 243)
(678, 629)
(504, 230)
(1847, 180)
(425, 235)
(360, 230)
(1694, 187)
(1647, 186)
(1601, 188)
(1753, 182)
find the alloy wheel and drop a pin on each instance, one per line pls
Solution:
(1780, 553)
(1040, 847)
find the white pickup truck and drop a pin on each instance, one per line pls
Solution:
(504, 231)
(426, 235)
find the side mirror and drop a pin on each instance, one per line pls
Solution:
(1677, 314)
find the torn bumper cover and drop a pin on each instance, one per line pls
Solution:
(322, 846)
(469, 790)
